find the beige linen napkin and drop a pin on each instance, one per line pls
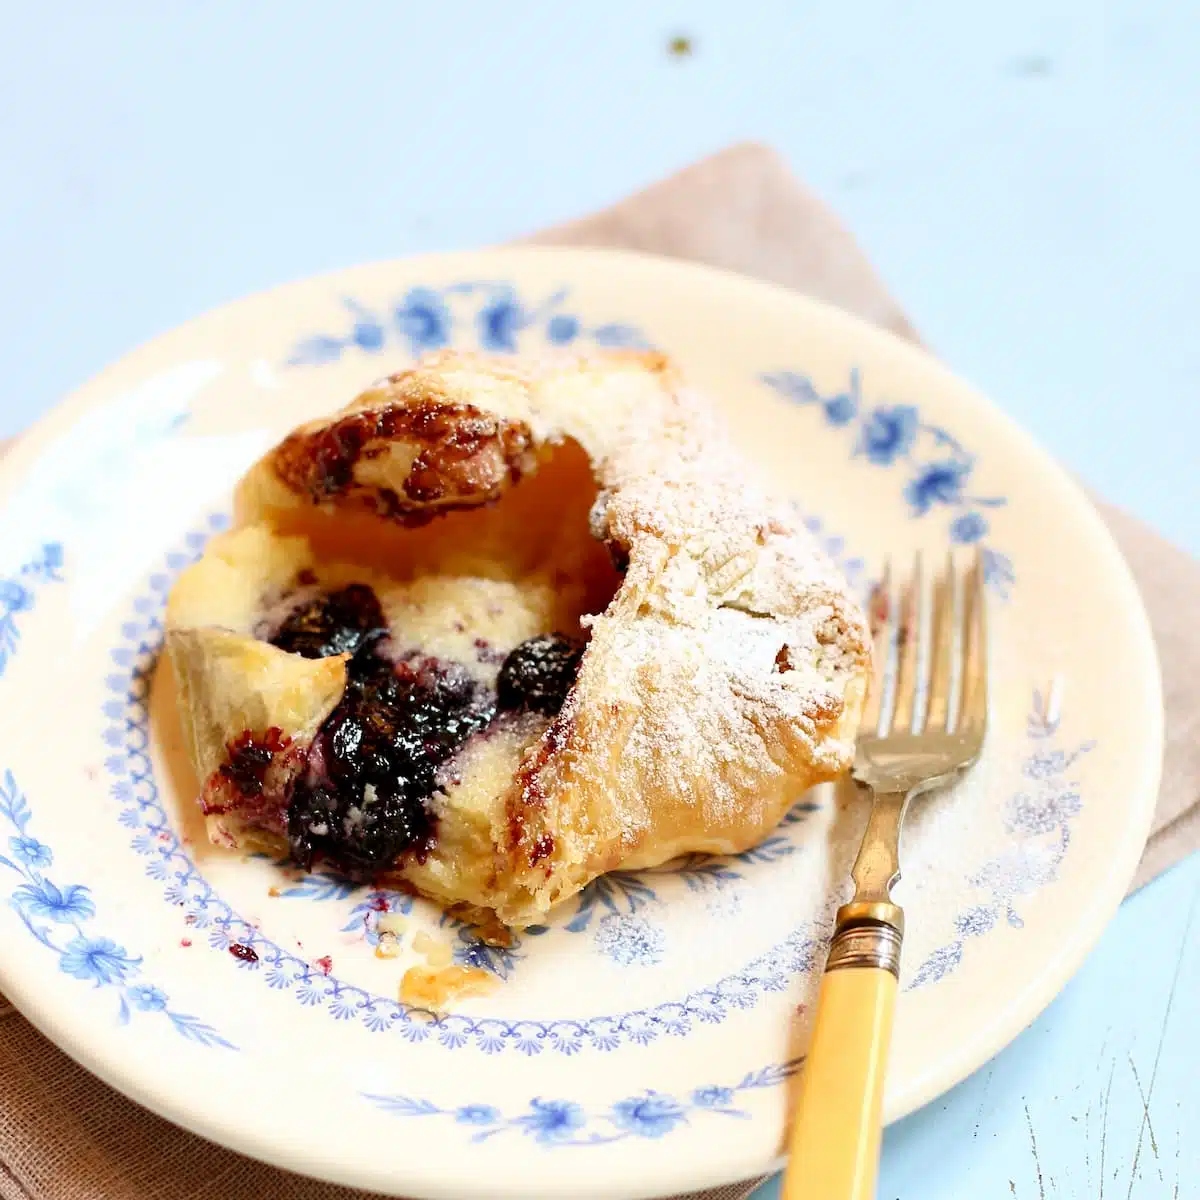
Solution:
(65, 1136)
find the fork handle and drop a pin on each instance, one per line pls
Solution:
(836, 1131)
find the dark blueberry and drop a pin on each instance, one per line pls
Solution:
(382, 747)
(538, 674)
(249, 758)
(334, 623)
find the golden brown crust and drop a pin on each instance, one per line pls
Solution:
(726, 665)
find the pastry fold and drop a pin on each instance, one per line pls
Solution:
(486, 501)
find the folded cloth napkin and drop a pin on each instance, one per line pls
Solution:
(66, 1136)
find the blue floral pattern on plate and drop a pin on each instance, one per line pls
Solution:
(425, 319)
(17, 595)
(58, 916)
(617, 911)
(937, 466)
(555, 1123)
(1038, 822)
(621, 917)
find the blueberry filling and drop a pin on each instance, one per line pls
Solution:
(333, 623)
(538, 674)
(250, 758)
(379, 754)
(365, 799)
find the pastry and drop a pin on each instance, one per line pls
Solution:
(500, 626)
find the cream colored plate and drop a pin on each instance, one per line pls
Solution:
(642, 1042)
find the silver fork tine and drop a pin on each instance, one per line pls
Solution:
(972, 718)
(909, 650)
(882, 616)
(941, 672)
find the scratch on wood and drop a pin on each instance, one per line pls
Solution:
(1104, 1123)
(1162, 1037)
(1036, 1161)
(1087, 1141)
(1149, 1123)
(987, 1082)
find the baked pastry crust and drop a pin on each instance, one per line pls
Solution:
(725, 666)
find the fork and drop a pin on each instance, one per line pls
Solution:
(923, 725)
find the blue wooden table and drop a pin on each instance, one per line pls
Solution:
(1026, 179)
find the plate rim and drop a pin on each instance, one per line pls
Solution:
(988, 1038)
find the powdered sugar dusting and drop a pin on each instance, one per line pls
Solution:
(726, 675)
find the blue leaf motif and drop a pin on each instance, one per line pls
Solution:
(619, 336)
(13, 804)
(770, 850)
(998, 571)
(316, 352)
(195, 1030)
(406, 1106)
(793, 386)
(941, 962)
(321, 886)
(708, 873)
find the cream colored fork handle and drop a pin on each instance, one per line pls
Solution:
(834, 1151)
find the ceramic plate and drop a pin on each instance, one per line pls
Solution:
(643, 1041)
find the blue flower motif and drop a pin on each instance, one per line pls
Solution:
(423, 318)
(630, 941)
(968, 528)
(888, 433)
(31, 852)
(937, 483)
(552, 1120)
(65, 905)
(15, 597)
(1045, 764)
(712, 1097)
(500, 320)
(562, 329)
(1036, 815)
(477, 1114)
(367, 334)
(649, 1116)
(147, 998)
(99, 959)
